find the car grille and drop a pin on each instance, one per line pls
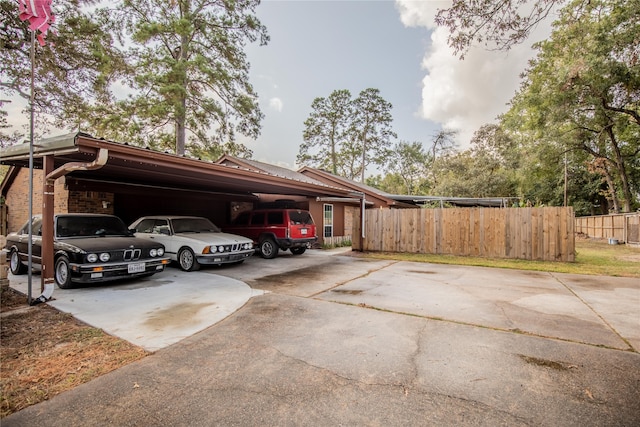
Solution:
(236, 247)
(132, 254)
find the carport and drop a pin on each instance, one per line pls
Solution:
(142, 179)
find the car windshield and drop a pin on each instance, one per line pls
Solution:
(90, 226)
(194, 225)
(300, 218)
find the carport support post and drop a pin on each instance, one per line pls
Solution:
(47, 224)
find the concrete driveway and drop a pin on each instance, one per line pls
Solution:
(329, 339)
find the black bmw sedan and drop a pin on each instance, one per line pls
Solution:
(88, 248)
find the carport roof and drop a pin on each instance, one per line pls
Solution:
(144, 167)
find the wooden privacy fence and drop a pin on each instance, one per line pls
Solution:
(523, 233)
(622, 227)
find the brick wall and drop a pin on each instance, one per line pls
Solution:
(90, 202)
(18, 198)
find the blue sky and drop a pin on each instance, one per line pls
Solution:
(317, 47)
(322, 46)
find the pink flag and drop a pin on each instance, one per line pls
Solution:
(39, 15)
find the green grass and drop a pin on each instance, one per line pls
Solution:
(592, 257)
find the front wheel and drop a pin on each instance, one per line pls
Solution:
(187, 260)
(16, 266)
(268, 249)
(298, 251)
(62, 273)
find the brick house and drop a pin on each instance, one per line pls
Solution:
(131, 182)
(334, 215)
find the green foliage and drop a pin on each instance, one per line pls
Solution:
(495, 23)
(581, 94)
(592, 257)
(487, 169)
(75, 67)
(179, 69)
(345, 135)
(408, 161)
(371, 130)
(391, 183)
(326, 131)
(341, 244)
(190, 89)
(3, 172)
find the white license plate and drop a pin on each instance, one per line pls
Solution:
(136, 268)
(303, 231)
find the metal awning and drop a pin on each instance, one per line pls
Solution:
(135, 166)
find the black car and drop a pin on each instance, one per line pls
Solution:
(88, 248)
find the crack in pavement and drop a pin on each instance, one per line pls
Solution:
(352, 279)
(593, 310)
(493, 328)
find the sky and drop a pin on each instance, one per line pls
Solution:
(317, 47)
(320, 46)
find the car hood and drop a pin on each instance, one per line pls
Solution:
(93, 244)
(215, 238)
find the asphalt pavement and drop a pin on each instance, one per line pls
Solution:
(327, 338)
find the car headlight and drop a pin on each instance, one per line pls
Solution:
(220, 248)
(104, 257)
(153, 252)
(160, 251)
(92, 257)
(248, 245)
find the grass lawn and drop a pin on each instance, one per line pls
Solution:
(592, 257)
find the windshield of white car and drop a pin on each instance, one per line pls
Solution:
(90, 226)
(194, 225)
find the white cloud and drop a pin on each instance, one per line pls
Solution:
(276, 104)
(465, 94)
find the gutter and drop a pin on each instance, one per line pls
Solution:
(100, 161)
(342, 200)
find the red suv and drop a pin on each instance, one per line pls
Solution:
(274, 229)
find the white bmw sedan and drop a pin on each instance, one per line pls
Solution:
(192, 241)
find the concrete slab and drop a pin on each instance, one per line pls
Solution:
(534, 303)
(289, 361)
(153, 312)
(328, 339)
(615, 299)
(305, 275)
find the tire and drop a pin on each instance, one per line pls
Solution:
(268, 248)
(298, 251)
(187, 260)
(62, 273)
(15, 265)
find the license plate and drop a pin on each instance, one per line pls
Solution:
(136, 268)
(303, 231)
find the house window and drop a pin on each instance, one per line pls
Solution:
(328, 220)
